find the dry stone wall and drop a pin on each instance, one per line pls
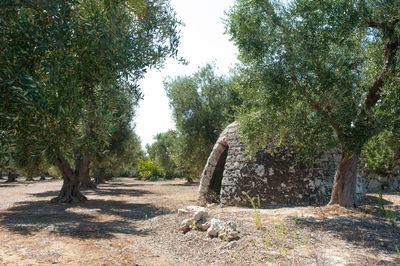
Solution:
(390, 182)
(276, 177)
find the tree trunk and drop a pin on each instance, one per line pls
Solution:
(108, 177)
(344, 184)
(100, 176)
(84, 169)
(100, 179)
(42, 176)
(12, 176)
(70, 191)
(29, 178)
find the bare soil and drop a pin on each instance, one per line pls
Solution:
(131, 222)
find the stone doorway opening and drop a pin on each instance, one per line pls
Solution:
(216, 174)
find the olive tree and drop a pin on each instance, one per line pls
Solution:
(319, 74)
(61, 60)
(202, 105)
(122, 149)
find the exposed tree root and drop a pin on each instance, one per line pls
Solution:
(69, 198)
(70, 191)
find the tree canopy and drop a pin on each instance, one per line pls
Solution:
(63, 65)
(162, 152)
(319, 74)
(202, 104)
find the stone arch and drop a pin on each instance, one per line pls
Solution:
(211, 178)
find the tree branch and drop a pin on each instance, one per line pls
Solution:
(317, 107)
(374, 92)
(64, 167)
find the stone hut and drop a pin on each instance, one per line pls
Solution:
(276, 177)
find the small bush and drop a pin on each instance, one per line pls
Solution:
(149, 170)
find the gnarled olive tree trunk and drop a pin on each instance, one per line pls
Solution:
(70, 190)
(344, 184)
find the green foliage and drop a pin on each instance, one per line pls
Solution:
(121, 150)
(161, 152)
(65, 65)
(120, 158)
(382, 153)
(317, 74)
(33, 165)
(54, 172)
(5, 151)
(149, 170)
(203, 104)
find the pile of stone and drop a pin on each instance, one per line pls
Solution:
(200, 221)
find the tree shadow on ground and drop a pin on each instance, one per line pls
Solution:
(4, 184)
(96, 218)
(372, 206)
(21, 182)
(113, 183)
(371, 200)
(363, 232)
(117, 191)
(187, 184)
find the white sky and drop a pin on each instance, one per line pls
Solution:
(202, 41)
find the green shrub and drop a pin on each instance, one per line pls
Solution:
(149, 170)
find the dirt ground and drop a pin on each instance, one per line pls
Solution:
(131, 222)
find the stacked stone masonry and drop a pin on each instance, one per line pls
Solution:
(276, 177)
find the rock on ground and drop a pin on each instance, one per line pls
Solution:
(215, 228)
